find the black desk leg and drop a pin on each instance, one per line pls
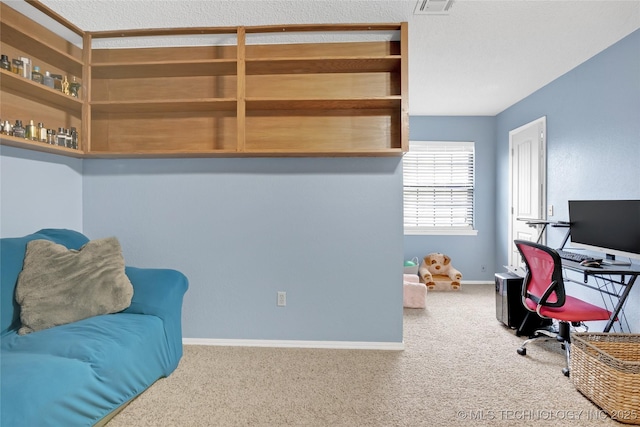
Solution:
(621, 301)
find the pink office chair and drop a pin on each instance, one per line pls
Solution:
(543, 293)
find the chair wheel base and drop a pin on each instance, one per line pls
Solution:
(565, 372)
(522, 351)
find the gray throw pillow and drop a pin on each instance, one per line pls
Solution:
(58, 285)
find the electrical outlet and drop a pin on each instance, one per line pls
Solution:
(483, 268)
(282, 299)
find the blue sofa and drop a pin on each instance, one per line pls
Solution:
(80, 374)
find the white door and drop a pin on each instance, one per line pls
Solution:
(527, 186)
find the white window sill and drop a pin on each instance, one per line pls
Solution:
(441, 232)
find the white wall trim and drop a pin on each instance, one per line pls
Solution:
(477, 282)
(351, 345)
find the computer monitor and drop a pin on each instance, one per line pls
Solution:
(611, 227)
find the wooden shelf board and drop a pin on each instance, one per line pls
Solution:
(149, 32)
(40, 92)
(160, 154)
(323, 28)
(40, 48)
(12, 141)
(392, 152)
(309, 104)
(387, 152)
(165, 106)
(256, 66)
(214, 67)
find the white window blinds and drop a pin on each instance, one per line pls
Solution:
(438, 187)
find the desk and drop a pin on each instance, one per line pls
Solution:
(627, 277)
(544, 223)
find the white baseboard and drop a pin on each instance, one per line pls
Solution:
(345, 345)
(477, 282)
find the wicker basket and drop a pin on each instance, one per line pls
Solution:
(605, 367)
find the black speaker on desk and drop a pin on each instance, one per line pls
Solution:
(509, 308)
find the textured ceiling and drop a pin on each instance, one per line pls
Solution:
(481, 58)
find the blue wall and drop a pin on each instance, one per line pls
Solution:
(39, 190)
(593, 141)
(327, 231)
(468, 253)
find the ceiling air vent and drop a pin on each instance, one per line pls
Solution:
(433, 7)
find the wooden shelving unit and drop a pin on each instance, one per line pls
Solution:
(26, 100)
(244, 99)
(160, 101)
(325, 98)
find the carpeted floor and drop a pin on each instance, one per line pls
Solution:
(459, 368)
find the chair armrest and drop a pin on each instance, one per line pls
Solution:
(547, 293)
(159, 292)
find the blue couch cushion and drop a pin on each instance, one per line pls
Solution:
(28, 383)
(106, 361)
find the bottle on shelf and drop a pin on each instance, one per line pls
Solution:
(17, 66)
(57, 82)
(36, 75)
(67, 139)
(42, 132)
(30, 131)
(61, 139)
(64, 88)
(74, 138)
(51, 136)
(4, 63)
(74, 87)
(26, 67)
(7, 129)
(47, 80)
(18, 129)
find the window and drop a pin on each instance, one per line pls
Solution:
(438, 188)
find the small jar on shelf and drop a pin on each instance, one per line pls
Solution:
(42, 132)
(36, 75)
(26, 67)
(61, 138)
(51, 137)
(74, 87)
(17, 66)
(74, 138)
(57, 81)
(4, 63)
(18, 130)
(47, 80)
(7, 129)
(30, 131)
(67, 139)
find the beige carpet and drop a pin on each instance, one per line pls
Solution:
(459, 368)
